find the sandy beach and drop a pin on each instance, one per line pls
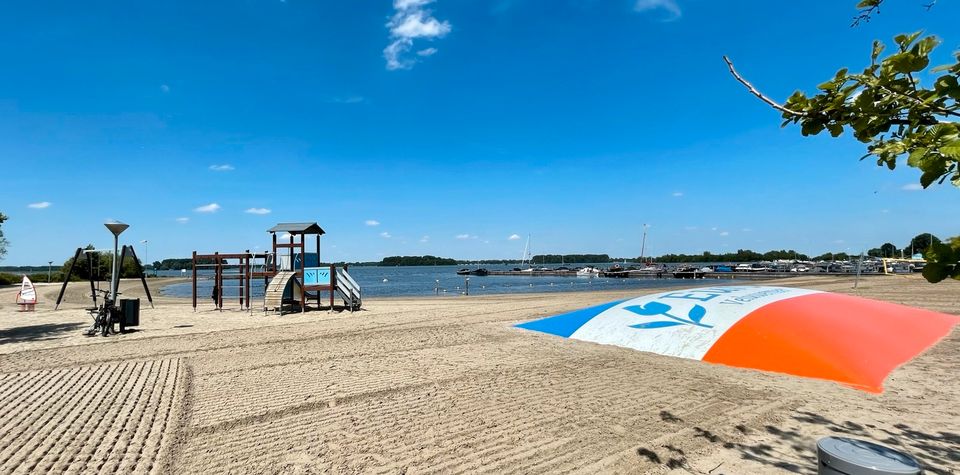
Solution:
(424, 385)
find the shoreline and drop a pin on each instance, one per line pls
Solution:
(448, 384)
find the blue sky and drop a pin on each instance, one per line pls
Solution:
(445, 127)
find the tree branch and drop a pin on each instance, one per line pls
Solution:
(776, 105)
(864, 14)
(919, 102)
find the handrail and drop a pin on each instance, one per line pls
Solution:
(349, 287)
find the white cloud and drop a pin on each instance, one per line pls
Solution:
(411, 21)
(425, 239)
(514, 237)
(210, 208)
(385, 235)
(40, 205)
(725, 233)
(670, 7)
(257, 211)
(372, 222)
(912, 187)
(406, 4)
(183, 220)
(164, 88)
(347, 100)
(677, 194)
(221, 168)
(465, 236)
(713, 228)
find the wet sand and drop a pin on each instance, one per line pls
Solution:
(435, 385)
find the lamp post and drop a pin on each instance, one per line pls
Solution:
(49, 267)
(116, 228)
(146, 255)
(466, 287)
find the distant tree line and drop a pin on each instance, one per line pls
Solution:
(417, 261)
(920, 244)
(742, 255)
(186, 263)
(570, 258)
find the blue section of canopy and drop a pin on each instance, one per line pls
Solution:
(566, 324)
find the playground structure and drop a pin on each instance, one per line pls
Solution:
(290, 276)
(112, 311)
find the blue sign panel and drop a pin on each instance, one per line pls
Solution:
(316, 276)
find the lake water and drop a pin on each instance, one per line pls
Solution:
(423, 281)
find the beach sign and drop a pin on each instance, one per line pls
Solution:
(27, 296)
(851, 340)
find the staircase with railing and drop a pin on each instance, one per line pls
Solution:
(348, 290)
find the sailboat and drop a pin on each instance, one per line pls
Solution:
(526, 257)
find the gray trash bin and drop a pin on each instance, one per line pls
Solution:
(130, 311)
(844, 456)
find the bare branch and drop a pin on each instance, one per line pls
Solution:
(776, 105)
(863, 16)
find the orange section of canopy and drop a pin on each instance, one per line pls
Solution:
(848, 339)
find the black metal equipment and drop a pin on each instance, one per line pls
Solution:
(93, 291)
(109, 313)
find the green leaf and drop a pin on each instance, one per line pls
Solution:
(934, 272)
(905, 40)
(951, 150)
(877, 49)
(917, 156)
(926, 45)
(929, 176)
(835, 129)
(906, 62)
(868, 3)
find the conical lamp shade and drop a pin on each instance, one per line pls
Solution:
(116, 227)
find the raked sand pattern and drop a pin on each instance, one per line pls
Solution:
(91, 419)
(439, 385)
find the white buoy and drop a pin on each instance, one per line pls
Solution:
(384, 279)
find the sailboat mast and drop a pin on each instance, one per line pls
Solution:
(643, 244)
(526, 251)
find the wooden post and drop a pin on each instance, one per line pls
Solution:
(194, 281)
(273, 266)
(318, 265)
(218, 281)
(249, 276)
(333, 284)
(241, 273)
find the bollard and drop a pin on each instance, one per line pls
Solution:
(845, 456)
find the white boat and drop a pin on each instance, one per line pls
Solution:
(588, 271)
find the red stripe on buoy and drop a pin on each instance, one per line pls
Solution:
(851, 340)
